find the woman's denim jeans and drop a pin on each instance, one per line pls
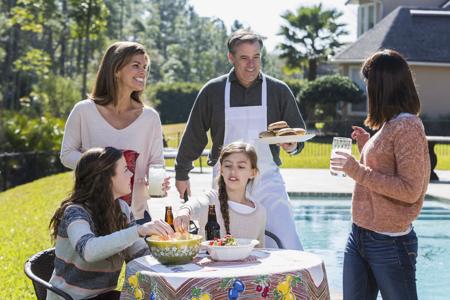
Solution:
(376, 262)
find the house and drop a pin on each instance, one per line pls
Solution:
(420, 30)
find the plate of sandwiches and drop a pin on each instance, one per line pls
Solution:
(280, 132)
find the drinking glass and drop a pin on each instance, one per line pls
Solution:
(340, 144)
(156, 175)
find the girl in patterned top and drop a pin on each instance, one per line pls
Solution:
(94, 230)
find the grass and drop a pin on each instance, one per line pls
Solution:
(25, 212)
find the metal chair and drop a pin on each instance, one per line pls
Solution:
(39, 269)
(275, 238)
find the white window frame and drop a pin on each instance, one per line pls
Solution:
(363, 25)
(352, 70)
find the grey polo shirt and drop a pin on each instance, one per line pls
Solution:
(208, 113)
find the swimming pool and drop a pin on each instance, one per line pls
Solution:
(324, 223)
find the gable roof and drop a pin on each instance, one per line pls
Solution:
(421, 35)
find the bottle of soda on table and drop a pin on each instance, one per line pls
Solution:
(212, 228)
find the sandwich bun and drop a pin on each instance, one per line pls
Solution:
(277, 126)
(286, 131)
(264, 134)
(299, 131)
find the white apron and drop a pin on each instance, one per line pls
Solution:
(244, 124)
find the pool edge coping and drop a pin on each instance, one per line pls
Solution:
(342, 195)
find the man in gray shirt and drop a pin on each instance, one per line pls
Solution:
(237, 106)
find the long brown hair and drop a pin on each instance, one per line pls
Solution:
(390, 87)
(93, 191)
(236, 147)
(115, 57)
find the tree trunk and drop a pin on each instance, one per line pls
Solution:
(50, 50)
(122, 8)
(63, 40)
(71, 68)
(11, 53)
(11, 100)
(312, 69)
(86, 48)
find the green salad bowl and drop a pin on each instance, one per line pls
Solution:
(175, 252)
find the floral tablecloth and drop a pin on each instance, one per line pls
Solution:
(266, 274)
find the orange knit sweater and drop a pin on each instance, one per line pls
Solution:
(391, 177)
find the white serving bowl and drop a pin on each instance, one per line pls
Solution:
(227, 253)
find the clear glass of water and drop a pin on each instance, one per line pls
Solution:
(156, 175)
(340, 144)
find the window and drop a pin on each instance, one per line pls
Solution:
(355, 75)
(371, 16)
(367, 17)
(361, 17)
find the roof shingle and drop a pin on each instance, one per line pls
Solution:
(420, 38)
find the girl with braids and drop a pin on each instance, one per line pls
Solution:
(94, 230)
(236, 213)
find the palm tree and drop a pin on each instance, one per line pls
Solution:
(311, 35)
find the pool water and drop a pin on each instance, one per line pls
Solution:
(324, 225)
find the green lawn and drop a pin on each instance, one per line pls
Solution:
(25, 212)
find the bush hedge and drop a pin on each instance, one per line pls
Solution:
(321, 98)
(174, 100)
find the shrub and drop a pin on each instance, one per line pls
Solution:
(57, 95)
(23, 134)
(35, 143)
(174, 100)
(296, 86)
(323, 96)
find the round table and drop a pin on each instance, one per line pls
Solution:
(265, 274)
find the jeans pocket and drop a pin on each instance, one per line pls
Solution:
(410, 247)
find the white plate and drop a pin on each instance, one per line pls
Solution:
(286, 139)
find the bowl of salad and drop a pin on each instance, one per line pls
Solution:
(230, 248)
(179, 249)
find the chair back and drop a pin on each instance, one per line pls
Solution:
(39, 269)
(275, 238)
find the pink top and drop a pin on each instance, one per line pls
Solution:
(86, 128)
(391, 177)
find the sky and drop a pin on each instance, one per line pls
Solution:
(263, 16)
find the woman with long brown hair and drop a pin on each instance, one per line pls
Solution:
(391, 180)
(114, 115)
(94, 230)
(237, 215)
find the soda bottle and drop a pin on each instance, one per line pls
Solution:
(212, 228)
(169, 216)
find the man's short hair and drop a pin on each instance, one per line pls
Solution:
(243, 36)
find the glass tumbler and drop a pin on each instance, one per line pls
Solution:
(340, 144)
(156, 175)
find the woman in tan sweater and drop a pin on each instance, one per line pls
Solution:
(391, 179)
